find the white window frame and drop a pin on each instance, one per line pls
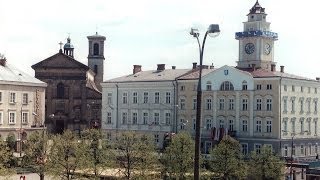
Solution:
(182, 103)
(12, 116)
(0, 96)
(269, 126)
(157, 98)
(258, 104)
(156, 118)
(168, 118)
(208, 123)
(244, 125)
(221, 104)
(124, 118)
(269, 104)
(124, 98)
(244, 104)
(231, 104)
(259, 126)
(194, 103)
(25, 98)
(208, 103)
(135, 98)
(145, 117)
(1, 117)
(12, 97)
(257, 148)
(109, 98)
(168, 97)
(134, 118)
(25, 117)
(145, 97)
(244, 148)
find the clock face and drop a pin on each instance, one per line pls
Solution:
(249, 48)
(267, 49)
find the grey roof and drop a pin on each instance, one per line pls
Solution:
(11, 75)
(152, 75)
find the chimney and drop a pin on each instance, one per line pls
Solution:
(3, 61)
(136, 69)
(318, 78)
(253, 67)
(194, 65)
(273, 67)
(173, 67)
(282, 69)
(161, 67)
(212, 67)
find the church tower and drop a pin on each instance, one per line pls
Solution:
(256, 42)
(68, 48)
(96, 57)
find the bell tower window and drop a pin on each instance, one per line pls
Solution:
(95, 49)
(60, 90)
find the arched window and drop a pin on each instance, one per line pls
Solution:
(95, 69)
(60, 90)
(244, 85)
(208, 86)
(95, 49)
(226, 86)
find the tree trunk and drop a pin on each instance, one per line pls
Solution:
(41, 176)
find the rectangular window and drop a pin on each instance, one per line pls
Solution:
(258, 126)
(194, 123)
(25, 116)
(292, 88)
(156, 118)
(156, 97)
(194, 104)
(168, 118)
(309, 106)
(293, 126)
(293, 150)
(12, 117)
(244, 104)
(124, 118)
(156, 138)
(25, 98)
(257, 148)
(315, 90)
(182, 88)
(109, 98)
(1, 117)
(209, 88)
(244, 87)
(301, 89)
(231, 104)
(134, 118)
(269, 104)
(258, 86)
(269, 86)
(109, 136)
(285, 151)
(285, 126)
(269, 126)
(134, 98)
(316, 149)
(0, 97)
(221, 104)
(168, 98)
(221, 123)
(12, 97)
(315, 127)
(244, 149)
(145, 97)
(125, 98)
(285, 105)
(208, 104)
(309, 89)
(109, 117)
(244, 125)
(292, 106)
(145, 118)
(285, 87)
(208, 123)
(309, 126)
(301, 106)
(259, 104)
(301, 126)
(315, 107)
(301, 150)
(182, 124)
(182, 103)
(231, 125)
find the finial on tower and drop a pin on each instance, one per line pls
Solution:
(60, 44)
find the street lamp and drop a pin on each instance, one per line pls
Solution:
(213, 31)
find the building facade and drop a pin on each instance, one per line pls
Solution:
(73, 95)
(256, 102)
(22, 103)
(144, 101)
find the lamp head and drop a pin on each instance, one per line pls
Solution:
(194, 32)
(213, 30)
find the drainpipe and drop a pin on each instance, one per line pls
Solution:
(117, 110)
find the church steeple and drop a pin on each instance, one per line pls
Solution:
(68, 48)
(256, 42)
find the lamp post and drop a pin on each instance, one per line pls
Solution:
(213, 31)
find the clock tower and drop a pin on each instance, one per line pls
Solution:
(256, 42)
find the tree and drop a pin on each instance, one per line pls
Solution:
(6, 156)
(226, 159)
(65, 155)
(179, 156)
(11, 141)
(265, 165)
(36, 153)
(135, 153)
(98, 153)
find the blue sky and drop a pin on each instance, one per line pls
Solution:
(149, 32)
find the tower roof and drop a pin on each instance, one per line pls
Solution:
(68, 45)
(257, 9)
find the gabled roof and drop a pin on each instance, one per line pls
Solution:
(11, 75)
(257, 9)
(152, 75)
(53, 62)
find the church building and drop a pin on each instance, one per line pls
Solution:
(73, 94)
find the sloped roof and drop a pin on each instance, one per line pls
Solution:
(11, 75)
(194, 74)
(263, 73)
(151, 75)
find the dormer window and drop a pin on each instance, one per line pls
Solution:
(208, 86)
(244, 85)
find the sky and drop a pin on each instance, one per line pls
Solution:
(151, 32)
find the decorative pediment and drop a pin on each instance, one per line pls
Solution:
(60, 61)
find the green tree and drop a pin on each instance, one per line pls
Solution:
(226, 159)
(11, 141)
(36, 153)
(178, 157)
(66, 152)
(6, 156)
(135, 154)
(265, 165)
(98, 154)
